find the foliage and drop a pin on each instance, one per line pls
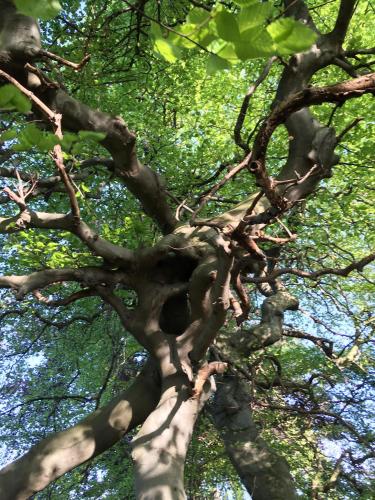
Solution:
(232, 37)
(60, 363)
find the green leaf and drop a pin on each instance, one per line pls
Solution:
(254, 15)
(90, 135)
(228, 52)
(281, 29)
(9, 135)
(198, 16)
(254, 43)
(245, 3)
(168, 51)
(22, 103)
(7, 93)
(291, 36)
(187, 29)
(31, 134)
(43, 9)
(216, 63)
(155, 30)
(22, 146)
(68, 140)
(11, 97)
(47, 142)
(227, 27)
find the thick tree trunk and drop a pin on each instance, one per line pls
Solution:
(159, 450)
(265, 474)
(61, 452)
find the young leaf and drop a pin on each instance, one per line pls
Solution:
(7, 92)
(227, 27)
(156, 30)
(254, 43)
(11, 97)
(88, 134)
(198, 16)
(166, 50)
(43, 9)
(31, 134)
(255, 15)
(8, 135)
(68, 140)
(216, 63)
(21, 103)
(47, 142)
(291, 36)
(245, 3)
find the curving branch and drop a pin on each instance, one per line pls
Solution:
(337, 93)
(345, 271)
(87, 276)
(245, 105)
(114, 254)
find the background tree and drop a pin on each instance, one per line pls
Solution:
(131, 276)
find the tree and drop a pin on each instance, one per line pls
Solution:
(165, 249)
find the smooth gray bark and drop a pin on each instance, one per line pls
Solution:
(61, 452)
(159, 449)
(263, 472)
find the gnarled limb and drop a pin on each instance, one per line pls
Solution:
(144, 183)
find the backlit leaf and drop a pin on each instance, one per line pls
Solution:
(291, 36)
(227, 26)
(255, 15)
(43, 9)
(166, 50)
(198, 16)
(216, 63)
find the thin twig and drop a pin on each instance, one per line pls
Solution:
(245, 104)
(234, 171)
(347, 128)
(61, 60)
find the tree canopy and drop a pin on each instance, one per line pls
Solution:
(187, 249)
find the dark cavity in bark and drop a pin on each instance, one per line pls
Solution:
(175, 316)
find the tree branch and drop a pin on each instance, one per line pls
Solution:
(354, 266)
(89, 276)
(345, 14)
(114, 254)
(245, 105)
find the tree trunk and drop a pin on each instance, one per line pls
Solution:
(265, 474)
(159, 449)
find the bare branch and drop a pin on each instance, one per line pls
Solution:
(245, 105)
(354, 266)
(61, 60)
(348, 128)
(355, 52)
(339, 92)
(234, 171)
